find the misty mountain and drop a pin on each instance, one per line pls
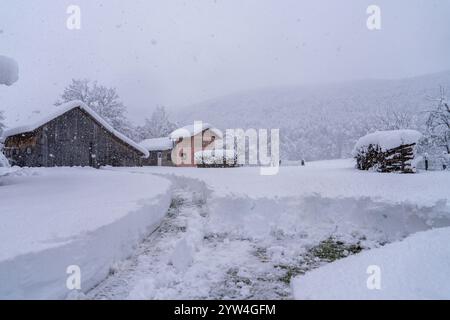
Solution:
(321, 121)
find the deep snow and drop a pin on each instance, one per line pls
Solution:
(238, 235)
(55, 217)
(229, 233)
(415, 268)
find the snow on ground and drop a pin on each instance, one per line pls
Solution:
(56, 217)
(416, 268)
(229, 233)
(235, 234)
(335, 179)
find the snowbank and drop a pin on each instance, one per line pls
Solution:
(416, 268)
(387, 139)
(9, 71)
(53, 218)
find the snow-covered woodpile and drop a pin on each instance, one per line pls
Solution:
(216, 158)
(387, 151)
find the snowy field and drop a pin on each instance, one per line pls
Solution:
(227, 233)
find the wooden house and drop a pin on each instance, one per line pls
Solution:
(73, 136)
(191, 139)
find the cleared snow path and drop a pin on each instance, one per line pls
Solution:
(225, 245)
(190, 256)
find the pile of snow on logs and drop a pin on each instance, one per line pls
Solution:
(387, 151)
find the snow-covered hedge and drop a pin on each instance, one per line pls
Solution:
(216, 158)
(387, 151)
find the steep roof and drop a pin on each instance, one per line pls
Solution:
(157, 144)
(66, 108)
(192, 130)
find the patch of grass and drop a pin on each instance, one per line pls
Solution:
(261, 254)
(233, 277)
(331, 249)
(326, 251)
(290, 271)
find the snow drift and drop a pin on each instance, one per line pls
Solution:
(72, 216)
(415, 268)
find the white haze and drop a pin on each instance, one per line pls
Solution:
(177, 53)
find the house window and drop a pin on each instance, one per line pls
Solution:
(169, 156)
(29, 150)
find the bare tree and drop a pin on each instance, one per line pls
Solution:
(104, 101)
(438, 122)
(390, 119)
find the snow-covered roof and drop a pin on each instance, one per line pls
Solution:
(388, 139)
(66, 108)
(156, 144)
(192, 130)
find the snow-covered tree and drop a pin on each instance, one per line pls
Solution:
(438, 123)
(157, 126)
(104, 101)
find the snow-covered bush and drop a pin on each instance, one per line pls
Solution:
(216, 158)
(387, 151)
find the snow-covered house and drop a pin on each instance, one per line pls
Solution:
(160, 151)
(191, 139)
(72, 136)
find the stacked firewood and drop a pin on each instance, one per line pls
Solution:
(398, 159)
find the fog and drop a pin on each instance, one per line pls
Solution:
(176, 53)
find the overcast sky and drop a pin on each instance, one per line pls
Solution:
(175, 53)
